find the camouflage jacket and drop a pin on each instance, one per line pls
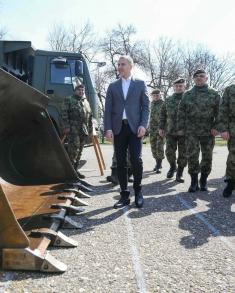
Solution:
(198, 111)
(227, 111)
(168, 114)
(77, 115)
(154, 115)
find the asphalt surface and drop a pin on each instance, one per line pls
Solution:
(178, 242)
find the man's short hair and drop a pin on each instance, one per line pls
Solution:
(155, 92)
(198, 72)
(128, 58)
(79, 86)
(179, 80)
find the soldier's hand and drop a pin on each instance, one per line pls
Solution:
(225, 135)
(66, 131)
(109, 135)
(141, 131)
(161, 132)
(214, 132)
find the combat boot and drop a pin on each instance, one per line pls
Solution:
(203, 182)
(155, 168)
(179, 175)
(229, 188)
(158, 166)
(113, 178)
(171, 171)
(80, 175)
(194, 183)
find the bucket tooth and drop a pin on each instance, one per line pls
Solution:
(52, 265)
(71, 224)
(76, 201)
(69, 208)
(57, 238)
(79, 186)
(66, 222)
(30, 260)
(85, 183)
(78, 193)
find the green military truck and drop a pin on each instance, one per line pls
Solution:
(53, 73)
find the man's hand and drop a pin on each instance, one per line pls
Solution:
(161, 132)
(214, 132)
(66, 131)
(225, 135)
(141, 131)
(109, 135)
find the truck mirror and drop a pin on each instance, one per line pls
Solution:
(78, 68)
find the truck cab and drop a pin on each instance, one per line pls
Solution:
(53, 73)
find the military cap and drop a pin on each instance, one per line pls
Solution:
(179, 80)
(198, 72)
(155, 92)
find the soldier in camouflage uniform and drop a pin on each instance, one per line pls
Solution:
(77, 120)
(168, 127)
(156, 141)
(197, 119)
(227, 129)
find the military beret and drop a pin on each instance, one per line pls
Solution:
(79, 86)
(198, 72)
(155, 92)
(179, 80)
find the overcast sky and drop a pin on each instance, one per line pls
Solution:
(209, 22)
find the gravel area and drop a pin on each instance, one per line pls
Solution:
(178, 242)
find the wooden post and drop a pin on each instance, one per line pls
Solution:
(94, 141)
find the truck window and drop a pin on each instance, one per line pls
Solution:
(61, 73)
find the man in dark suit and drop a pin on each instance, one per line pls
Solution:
(125, 121)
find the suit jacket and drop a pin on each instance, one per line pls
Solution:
(136, 105)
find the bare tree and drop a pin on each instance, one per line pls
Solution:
(220, 70)
(73, 39)
(3, 32)
(121, 40)
(58, 38)
(162, 63)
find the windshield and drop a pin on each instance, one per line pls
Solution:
(61, 73)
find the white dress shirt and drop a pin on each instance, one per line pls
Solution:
(125, 87)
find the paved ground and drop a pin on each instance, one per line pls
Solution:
(178, 242)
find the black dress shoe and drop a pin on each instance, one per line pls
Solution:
(139, 199)
(121, 203)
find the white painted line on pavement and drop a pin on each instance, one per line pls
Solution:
(134, 251)
(213, 229)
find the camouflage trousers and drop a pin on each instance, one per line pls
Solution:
(230, 169)
(193, 145)
(75, 148)
(157, 146)
(172, 143)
